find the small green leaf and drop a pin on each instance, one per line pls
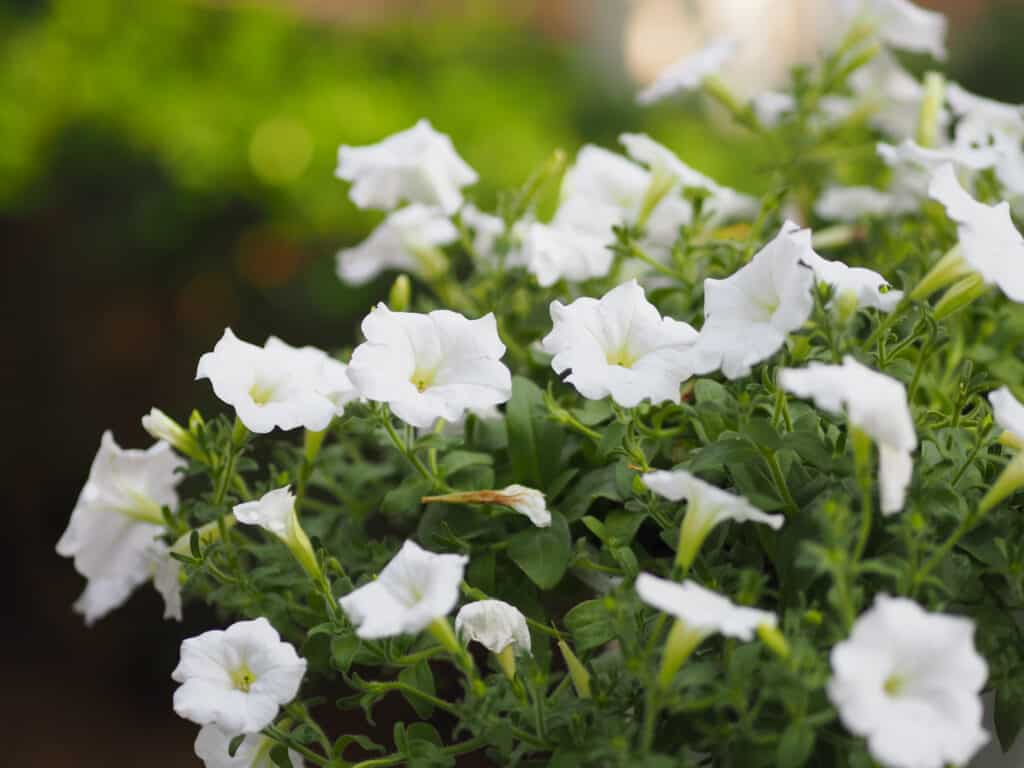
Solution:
(420, 677)
(279, 756)
(543, 553)
(344, 650)
(405, 498)
(598, 484)
(591, 625)
(1009, 715)
(795, 746)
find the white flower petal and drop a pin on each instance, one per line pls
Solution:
(690, 72)
(900, 24)
(213, 742)
(711, 503)
(494, 624)
(529, 502)
(869, 287)
(1008, 411)
(701, 609)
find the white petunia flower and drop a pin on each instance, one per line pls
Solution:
(706, 507)
(213, 742)
(620, 346)
(275, 512)
(992, 130)
(415, 589)
(690, 72)
(724, 202)
(564, 250)
(487, 228)
(166, 574)
(418, 165)
(989, 242)
(432, 366)
(115, 521)
(494, 624)
(899, 24)
(237, 678)
(327, 376)
(851, 204)
(748, 314)
(1008, 412)
(874, 403)
(895, 94)
(910, 683)
(268, 387)
(914, 166)
(408, 240)
(868, 287)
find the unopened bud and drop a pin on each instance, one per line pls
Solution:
(400, 295)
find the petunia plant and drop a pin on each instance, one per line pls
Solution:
(634, 470)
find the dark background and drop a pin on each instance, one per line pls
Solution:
(166, 169)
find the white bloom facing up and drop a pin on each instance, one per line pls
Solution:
(868, 287)
(707, 506)
(116, 520)
(620, 346)
(725, 203)
(269, 387)
(910, 683)
(519, 498)
(690, 72)
(415, 589)
(499, 627)
(900, 24)
(417, 165)
(874, 403)
(213, 742)
(408, 240)
(699, 613)
(748, 314)
(430, 366)
(237, 678)
(275, 513)
(989, 242)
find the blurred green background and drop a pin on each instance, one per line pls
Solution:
(166, 170)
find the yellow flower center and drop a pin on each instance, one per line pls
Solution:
(242, 678)
(422, 379)
(261, 394)
(893, 685)
(621, 356)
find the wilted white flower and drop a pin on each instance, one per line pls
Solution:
(416, 588)
(430, 366)
(874, 403)
(418, 165)
(748, 314)
(275, 512)
(520, 498)
(620, 346)
(724, 202)
(268, 387)
(910, 682)
(868, 287)
(853, 203)
(115, 521)
(989, 242)
(494, 624)
(237, 678)
(213, 742)
(690, 72)
(706, 507)
(900, 24)
(407, 240)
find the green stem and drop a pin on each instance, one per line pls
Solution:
(779, 479)
(469, 745)
(862, 469)
(285, 739)
(408, 453)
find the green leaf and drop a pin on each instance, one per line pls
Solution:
(591, 625)
(534, 440)
(423, 732)
(344, 650)
(724, 452)
(279, 756)
(762, 434)
(420, 677)
(543, 553)
(405, 498)
(795, 746)
(456, 461)
(364, 742)
(1009, 715)
(598, 484)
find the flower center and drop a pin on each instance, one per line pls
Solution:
(242, 678)
(422, 379)
(893, 684)
(261, 393)
(621, 356)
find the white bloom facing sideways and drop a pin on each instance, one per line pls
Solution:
(989, 241)
(910, 682)
(494, 624)
(620, 346)
(874, 403)
(900, 24)
(703, 611)
(275, 512)
(748, 314)
(213, 742)
(418, 165)
(430, 366)
(269, 387)
(1008, 412)
(690, 72)
(869, 287)
(407, 241)
(412, 591)
(116, 520)
(707, 506)
(237, 678)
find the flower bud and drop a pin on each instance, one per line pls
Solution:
(400, 295)
(275, 512)
(577, 672)
(162, 427)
